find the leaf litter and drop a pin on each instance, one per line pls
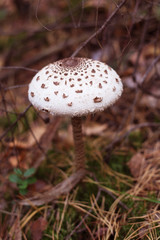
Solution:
(119, 197)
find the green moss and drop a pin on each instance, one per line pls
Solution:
(136, 139)
(118, 162)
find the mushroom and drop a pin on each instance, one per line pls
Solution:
(75, 87)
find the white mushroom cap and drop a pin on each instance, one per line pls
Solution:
(75, 86)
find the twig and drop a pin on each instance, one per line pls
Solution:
(54, 193)
(19, 68)
(15, 86)
(43, 54)
(105, 24)
(109, 192)
(84, 218)
(14, 124)
(114, 197)
(126, 134)
(140, 85)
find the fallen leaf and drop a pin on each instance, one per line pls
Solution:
(95, 129)
(37, 228)
(137, 164)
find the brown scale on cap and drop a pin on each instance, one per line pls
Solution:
(45, 110)
(70, 104)
(47, 72)
(101, 75)
(38, 78)
(55, 77)
(56, 83)
(65, 74)
(46, 99)
(72, 85)
(71, 79)
(114, 89)
(100, 85)
(43, 85)
(61, 78)
(79, 79)
(80, 85)
(79, 91)
(75, 73)
(105, 81)
(32, 94)
(117, 80)
(49, 77)
(86, 77)
(91, 83)
(65, 82)
(93, 71)
(64, 96)
(56, 92)
(92, 75)
(105, 71)
(69, 62)
(97, 99)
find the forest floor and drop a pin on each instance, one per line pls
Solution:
(119, 197)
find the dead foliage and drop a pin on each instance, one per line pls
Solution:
(119, 196)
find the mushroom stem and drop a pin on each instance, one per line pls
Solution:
(78, 141)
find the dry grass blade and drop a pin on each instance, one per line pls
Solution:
(146, 227)
(107, 220)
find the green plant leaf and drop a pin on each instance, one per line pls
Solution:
(31, 180)
(18, 171)
(15, 179)
(29, 172)
(23, 185)
(23, 191)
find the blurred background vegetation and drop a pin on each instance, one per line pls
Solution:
(119, 198)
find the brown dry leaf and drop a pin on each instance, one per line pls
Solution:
(137, 164)
(37, 155)
(13, 160)
(95, 129)
(66, 137)
(151, 51)
(38, 131)
(37, 228)
(17, 144)
(96, 3)
(39, 186)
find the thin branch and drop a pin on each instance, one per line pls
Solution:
(105, 24)
(44, 54)
(84, 218)
(14, 124)
(140, 85)
(36, 14)
(15, 86)
(19, 68)
(126, 134)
